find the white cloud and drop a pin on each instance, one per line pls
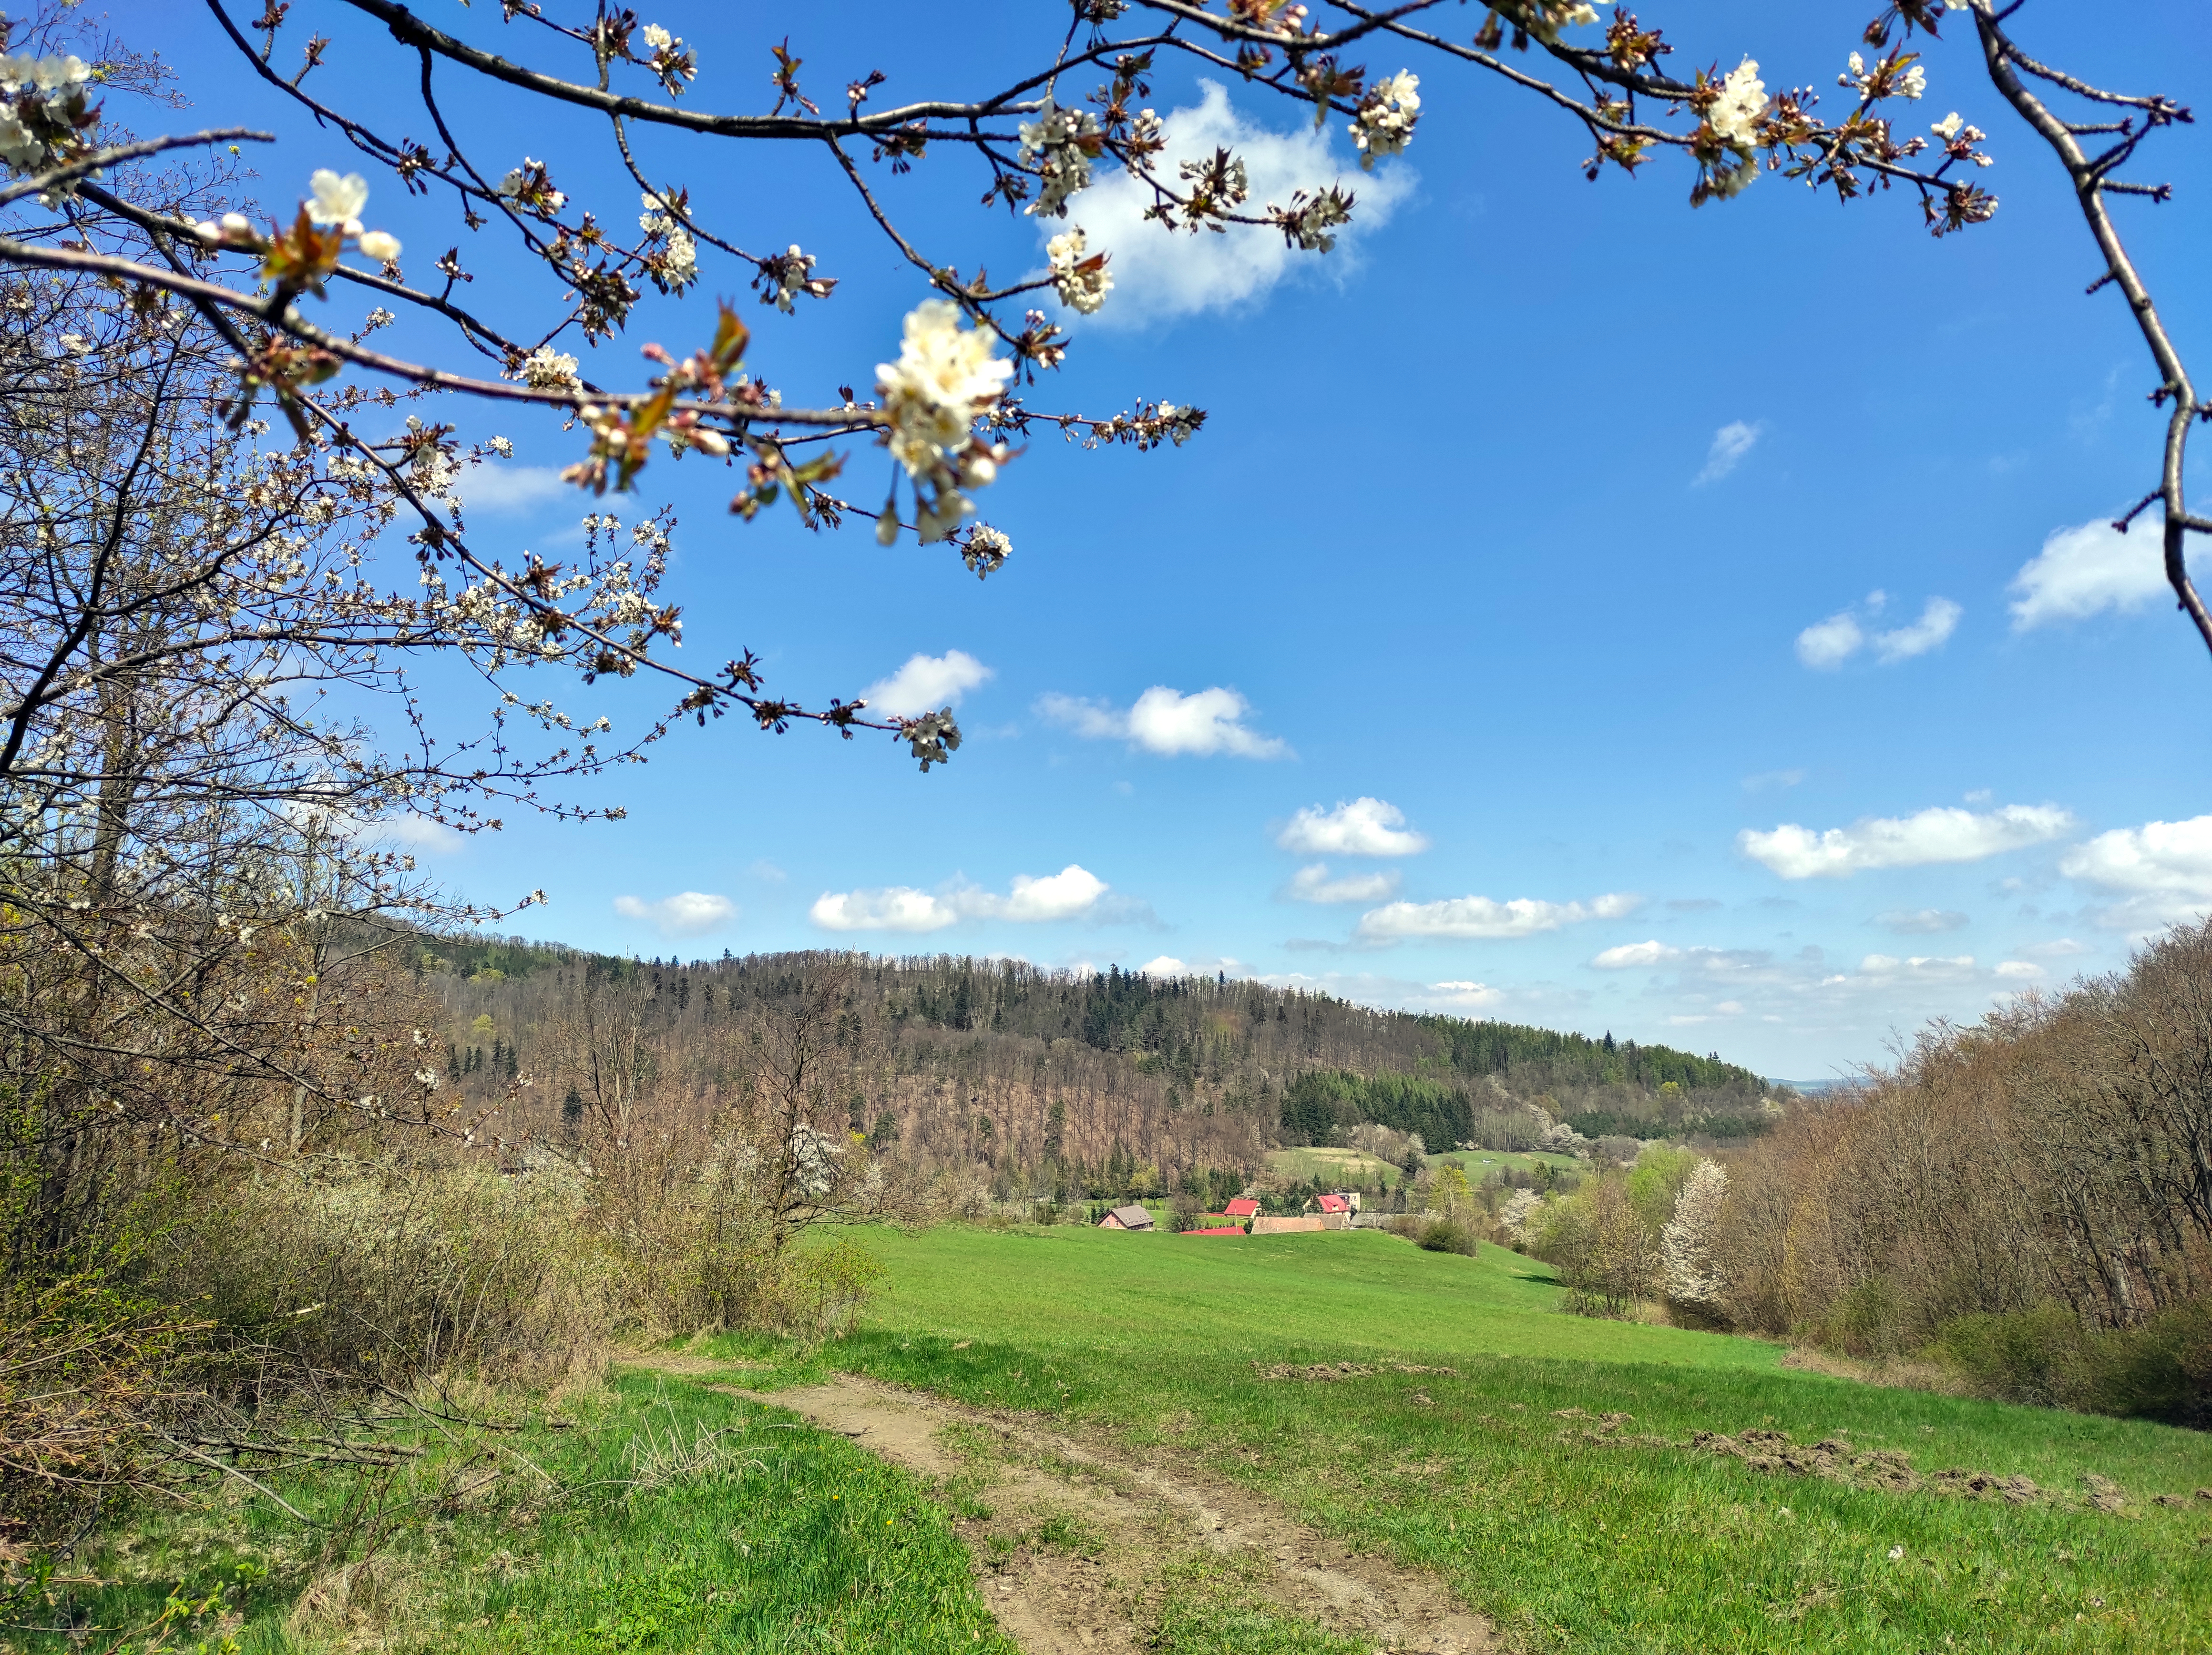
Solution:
(894, 908)
(2018, 970)
(1944, 833)
(1921, 922)
(1937, 621)
(2061, 948)
(1888, 966)
(505, 488)
(2085, 570)
(1312, 884)
(1730, 443)
(1630, 956)
(926, 682)
(1072, 892)
(1479, 917)
(2163, 871)
(1827, 645)
(416, 833)
(1167, 721)
(1366, 827)
(1768, 778)
(1160, 273)
(1463, 996)
(687, 914)
(1167, 966)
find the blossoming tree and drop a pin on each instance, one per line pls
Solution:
(956, 393)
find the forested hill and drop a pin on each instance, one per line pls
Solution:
(1118, 1064)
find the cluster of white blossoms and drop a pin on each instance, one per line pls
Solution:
(335, 200)
(44, 96)
(671, 60)
(530, 186)
(1959, 138)
(785, 275)
(1384, 123)
(1734, 118)
(1082, 282)
(677, 266)
(1545, 18)
(986, 550)
(1883, 80)
(1058, 146)
(548, 369)
(945, 379)
(1307, 221)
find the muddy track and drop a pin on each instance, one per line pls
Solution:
(1140, 1524)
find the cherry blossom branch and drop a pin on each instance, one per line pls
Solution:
(2090, 187)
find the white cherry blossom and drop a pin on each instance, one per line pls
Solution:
(336, 200)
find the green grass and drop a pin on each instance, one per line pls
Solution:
(1163, 1342)
(673, 1518)
(1480, 1163)
(772, 1539)
(1325, 1166)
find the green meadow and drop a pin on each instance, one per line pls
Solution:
(1358, 1167)
(657, 1513)
(1165, 1343)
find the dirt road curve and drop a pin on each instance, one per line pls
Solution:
(1139, 1523)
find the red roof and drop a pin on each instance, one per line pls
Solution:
(1226, 1230)
(1335, 1204)
(1243, 1208)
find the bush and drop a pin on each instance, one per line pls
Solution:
(2161, 1369)
(1446, 1235)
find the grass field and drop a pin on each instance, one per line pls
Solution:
(1358, 1168)
(670, 1516)
(666, 1516)
(1165, 1343)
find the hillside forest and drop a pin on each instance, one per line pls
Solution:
(1049, 1085)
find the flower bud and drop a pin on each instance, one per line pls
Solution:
(887, 526)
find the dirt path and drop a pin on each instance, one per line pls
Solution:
(1076, 1544)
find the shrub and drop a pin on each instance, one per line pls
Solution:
(2161, 1369)
(1446, 1235)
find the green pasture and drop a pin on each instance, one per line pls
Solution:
(1165, 1343)
(1358, 1169)
(658, 1514)
(1480, 1162)
(665, 1516)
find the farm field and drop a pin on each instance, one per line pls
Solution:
(1168, 1347)
(1321, 1165)
(1477, 1162)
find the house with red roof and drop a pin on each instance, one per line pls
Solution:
(1242, 1207)
(1335, 1204)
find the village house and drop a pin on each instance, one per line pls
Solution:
(1131, 1217)
(1242, 1207)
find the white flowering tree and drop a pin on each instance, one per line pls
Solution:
(1689, 1274)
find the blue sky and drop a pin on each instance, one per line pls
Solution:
(1577, 610)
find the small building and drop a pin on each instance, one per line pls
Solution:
(1222, 1230)
(1131, 1217)
(1242, 1207)
(1287, 1226)
(1335, 1204)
